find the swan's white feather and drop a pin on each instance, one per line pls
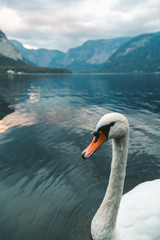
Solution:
(139, 213)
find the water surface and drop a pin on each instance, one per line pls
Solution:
(48, 192)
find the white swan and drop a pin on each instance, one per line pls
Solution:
(136, 215)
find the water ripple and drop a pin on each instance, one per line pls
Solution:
(47, 190)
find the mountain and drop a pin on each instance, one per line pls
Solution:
(140, 54)
(92, 54)
(87, 57)
(40, 57)
(9, 55)
(11, 58)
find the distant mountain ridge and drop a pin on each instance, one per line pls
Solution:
(90, 56)
(140, 54)
(119, 55)
(40, 57)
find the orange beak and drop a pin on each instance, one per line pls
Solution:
(94, 145)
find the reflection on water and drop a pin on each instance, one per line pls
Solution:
(47, 190)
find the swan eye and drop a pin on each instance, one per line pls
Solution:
(106, 129)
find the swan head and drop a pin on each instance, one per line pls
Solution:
(110, 126)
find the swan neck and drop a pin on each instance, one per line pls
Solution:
(108, 211)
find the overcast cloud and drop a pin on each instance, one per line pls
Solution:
(63, 24)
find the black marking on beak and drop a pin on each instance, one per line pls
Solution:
(97, 137)
(83, 155)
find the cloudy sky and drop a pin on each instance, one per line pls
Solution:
(63, 24)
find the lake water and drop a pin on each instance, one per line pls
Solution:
(47, 191)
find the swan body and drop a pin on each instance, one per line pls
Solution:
(136, 215)
(139, 213)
